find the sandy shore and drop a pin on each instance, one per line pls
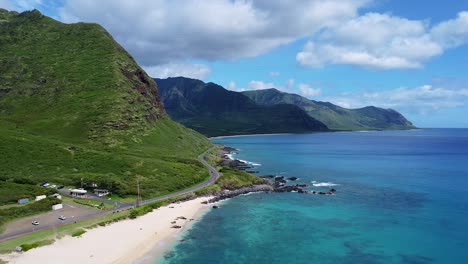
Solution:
(128, 241)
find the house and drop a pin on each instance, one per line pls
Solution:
(23, 201)
(40, 197)
(57, 207)
(101, 192)
(78, 193)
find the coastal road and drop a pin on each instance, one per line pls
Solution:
(214, 176)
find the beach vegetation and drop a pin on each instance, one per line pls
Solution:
(26, 247)
(233, 179)
(78, 233)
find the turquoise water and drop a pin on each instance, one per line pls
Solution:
(402, 198)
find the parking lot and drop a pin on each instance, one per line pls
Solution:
(48, 220)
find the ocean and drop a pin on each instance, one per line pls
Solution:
(401, 198)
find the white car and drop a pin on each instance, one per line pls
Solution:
(35, 223)
(62, 217)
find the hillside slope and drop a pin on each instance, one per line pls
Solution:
(335, 117)
(74, 104)
(212, 110)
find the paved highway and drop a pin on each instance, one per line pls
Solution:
(214, 176)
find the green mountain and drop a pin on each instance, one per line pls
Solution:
(74, 105)
(335, 117)
(212, 110)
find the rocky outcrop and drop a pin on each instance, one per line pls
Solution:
(244, 190)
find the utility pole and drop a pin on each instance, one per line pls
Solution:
(138, 191)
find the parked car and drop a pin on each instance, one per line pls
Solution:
(35, 223)
(62, 217)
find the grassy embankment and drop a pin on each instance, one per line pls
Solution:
(230, 178)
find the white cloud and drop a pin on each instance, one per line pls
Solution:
(307, 91)
(289, 85)
(231, 86)
(274, 74)
(260, 85)
(378, 41)
(196, 71)
(162, 31)
(452, 33)
(423, 99)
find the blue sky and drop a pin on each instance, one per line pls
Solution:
(411, 56)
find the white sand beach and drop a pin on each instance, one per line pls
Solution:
(123, 242)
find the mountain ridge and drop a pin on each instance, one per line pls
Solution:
(215, 111)
(334, 116)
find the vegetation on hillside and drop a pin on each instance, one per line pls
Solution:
(212, 110)
(11, 192)
(74, 105)
(335, 117)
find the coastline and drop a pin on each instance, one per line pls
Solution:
(249, 135)
(313, 132)
(130, 241)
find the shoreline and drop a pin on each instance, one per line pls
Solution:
(141, 240)
(314, 132)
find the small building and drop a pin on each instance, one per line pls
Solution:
(78, 193)
(101, 192)
(23, 201)
(40, 197)
(57, 207)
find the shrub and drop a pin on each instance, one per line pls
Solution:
(78, 233)
(26, 247)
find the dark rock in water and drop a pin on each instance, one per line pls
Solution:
(292, 178)
(267, 176)
(215, 206)
(243, 190)
(204, 202)
(302, 191)
(301, 185)
(322, 193)
(278, 178)
(173, 222)
(181, 217)
(229, 149)
(333, 191)
(176, 226)
(169, 255)
(289, 189)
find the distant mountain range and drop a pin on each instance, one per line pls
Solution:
(212, 110)
(333, 116)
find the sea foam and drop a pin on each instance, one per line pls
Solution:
(323, 184)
